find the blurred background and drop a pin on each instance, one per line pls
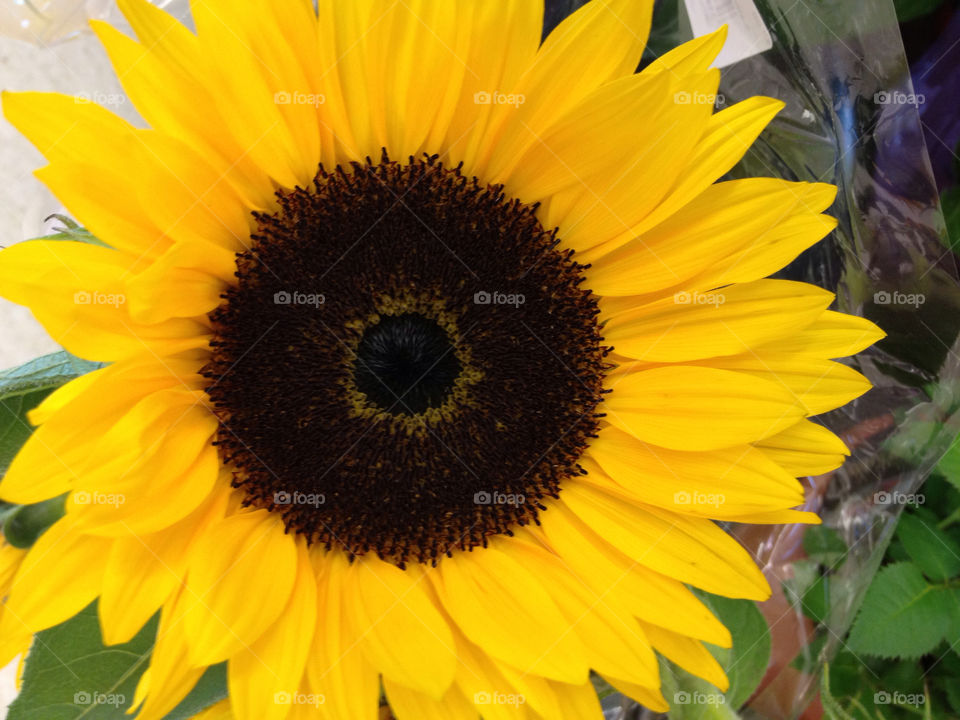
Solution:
(46, 45)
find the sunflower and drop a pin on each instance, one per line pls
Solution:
(435, 352)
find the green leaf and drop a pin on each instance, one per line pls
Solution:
(950, 204)
(952, 689)
(949, 465)
(934, 552)
(69, 674)
(824, 545)
(902, 615)
(44, 373)
(68, 670)
(809, 654)
(911, 9)
(692, 698)
(14, 426)
(746, 662)
(601, 686)
(71, 231)
(26, 523)
(210, 689)
(816, 600)
(23, 388)
(809, 590)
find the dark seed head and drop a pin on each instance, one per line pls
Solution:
(407, 364)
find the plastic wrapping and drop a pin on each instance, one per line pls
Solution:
(48, 22)
(852, 120)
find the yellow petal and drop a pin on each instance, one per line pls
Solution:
(692, 550)
(143, 571)
(691, 57)
(63, 396)
(503, 40)
(612, 640)
(47, 464)
(723, 234)
(651, 698)
(244, 556)
(481, 679)
(338, 669)
(417, 110)
(503, 608)
(48, 587)
(578, 151)
(168, 79)
(599, 42)
(649, 149)
(689, 654)
(731, 320)
(261, 677)
(805, 449)
(579, 702)
(150, 470)
(236, 39)
(409, 704)
(818, 385)
(726, 139)
(76, 291)
(199, 204)
(88, 143)
(644, 593)
(832, 335)
(170, 676)
(186, 281)
(718, 483)
(219, 711)
(401, 630)
(10, 559)
(778, 517)
(693, 408)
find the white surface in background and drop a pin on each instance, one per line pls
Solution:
(77, 66)
(46, 21)
(747, 35)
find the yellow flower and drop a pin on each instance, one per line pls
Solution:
(435, 352)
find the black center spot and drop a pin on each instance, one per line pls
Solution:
(407, 364)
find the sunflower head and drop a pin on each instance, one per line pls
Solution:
(435, 354)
